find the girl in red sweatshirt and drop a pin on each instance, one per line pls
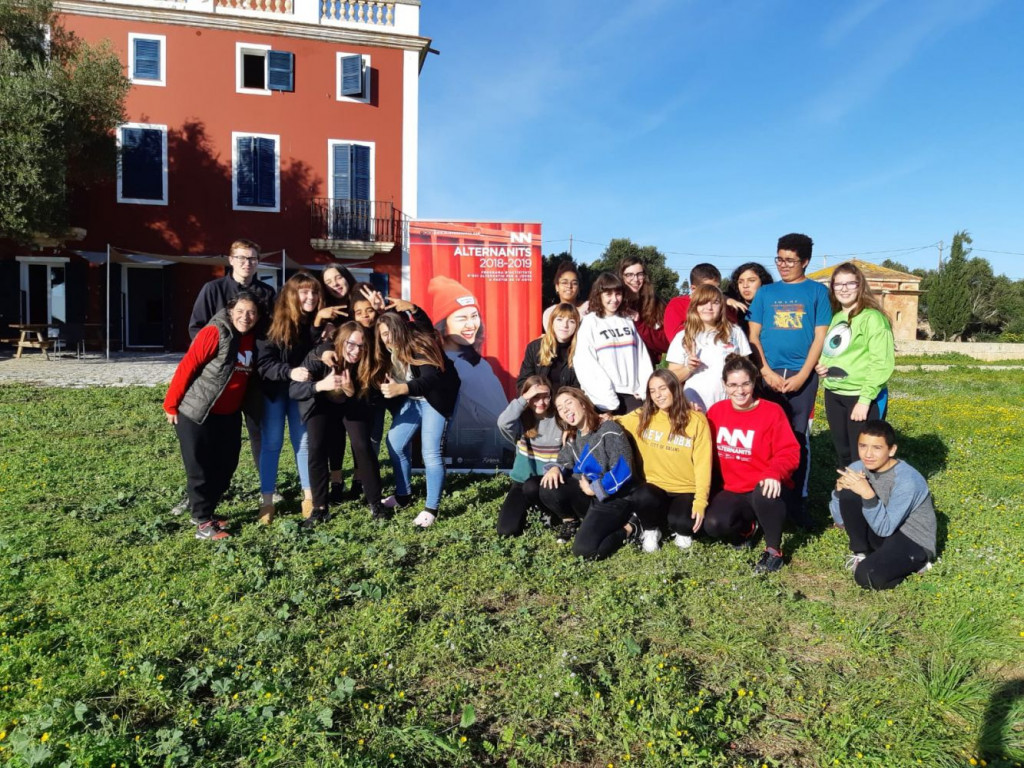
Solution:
(756, 454)
(204, 403)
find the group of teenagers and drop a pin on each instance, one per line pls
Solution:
(610, 447)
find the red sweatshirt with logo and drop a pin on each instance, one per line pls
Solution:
(751, 446)
(203, 349)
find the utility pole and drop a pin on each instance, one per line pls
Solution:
(570, 246)
(942, 244)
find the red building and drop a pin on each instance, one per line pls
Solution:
(289, 122)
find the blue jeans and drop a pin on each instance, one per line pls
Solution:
(272, 435)
(414, 415)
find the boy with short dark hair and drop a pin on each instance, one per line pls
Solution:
(887, 510)
(788, 323)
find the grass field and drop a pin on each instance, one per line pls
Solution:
(127, 642)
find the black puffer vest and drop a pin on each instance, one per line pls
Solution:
(215, 375)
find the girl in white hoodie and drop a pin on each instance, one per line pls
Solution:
(611, 361)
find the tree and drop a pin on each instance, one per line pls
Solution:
(665, 280)
(61, 100)
(949, 295)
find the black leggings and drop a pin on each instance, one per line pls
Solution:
(660, 509)
(356, 420)
(521, 496)
(730, 514)
(210, 453)
(601, 532)
(890, 559)
(845, 433)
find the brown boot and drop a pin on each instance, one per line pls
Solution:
(307, 508)
(266, 514)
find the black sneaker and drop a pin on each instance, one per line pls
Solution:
(747, 539)
(769, 562)
(318, 516)
(356, 491)
(636, 537)
(567, 531)
(380, 513)
(337, 493)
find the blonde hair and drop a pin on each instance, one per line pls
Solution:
(241, 244)
(699, 296)
(549, 342)
(288, 314)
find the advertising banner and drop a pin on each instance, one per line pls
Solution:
(480, 284)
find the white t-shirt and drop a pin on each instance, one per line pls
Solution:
(706, 381)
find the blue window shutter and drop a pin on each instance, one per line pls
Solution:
(360, 172)
(266, 173)
(147, 59)
(342, 171)
(352, 76)
(142, 164)
(245, 175)
(280, 71)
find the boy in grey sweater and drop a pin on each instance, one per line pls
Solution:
(887, 509)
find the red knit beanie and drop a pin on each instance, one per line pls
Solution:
(447, 296)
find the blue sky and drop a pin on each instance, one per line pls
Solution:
(712, 127)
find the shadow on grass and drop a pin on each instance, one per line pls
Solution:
(1002, 729)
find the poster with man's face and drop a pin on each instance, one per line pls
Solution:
(481, 285)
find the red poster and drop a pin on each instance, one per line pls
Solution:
(480, 284)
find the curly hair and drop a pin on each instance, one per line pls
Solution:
(732, 291)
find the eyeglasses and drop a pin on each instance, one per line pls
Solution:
(353, 345)
(633, 275)
(786, 262)
(568, 283)
(246, 259)
(846, 286)
(741, 385)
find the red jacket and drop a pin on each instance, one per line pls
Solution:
(202, 351)
(751, 446)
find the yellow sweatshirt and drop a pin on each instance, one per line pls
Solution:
(677, 463)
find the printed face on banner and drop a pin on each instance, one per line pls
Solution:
(480, 285)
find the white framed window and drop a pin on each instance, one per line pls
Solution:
(350, 167)
(260, 70)
(256, 172)
(147, 59)
(353, 78)
(142, 164)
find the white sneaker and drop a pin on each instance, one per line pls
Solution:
(650, 540)
(424, 519)
(925, 568)
(390, 502)
(683, 542)
(853, 560)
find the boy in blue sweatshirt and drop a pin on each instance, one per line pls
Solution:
(887, 509)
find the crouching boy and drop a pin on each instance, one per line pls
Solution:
(887, 510)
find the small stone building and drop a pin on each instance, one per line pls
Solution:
(898, 292)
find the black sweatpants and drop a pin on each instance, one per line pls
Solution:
(602, 533)
(521, 496)
(355, 419)
(567, 501)
(210, 453)
(660, 509)
(798, 406)
(890, 559)
(730, 514)
(845, 432)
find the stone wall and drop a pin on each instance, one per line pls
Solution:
(977, 350)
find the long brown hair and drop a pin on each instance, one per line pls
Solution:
(549, 342)
(606, 282)
(644, 302)
(360, 371)
(288, 314)
(409, 346)
(593, 421)
(866, 298)
(528, 418)
(700, 295)
(678, 412)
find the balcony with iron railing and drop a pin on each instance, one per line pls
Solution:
(354, 229)
(399, 17)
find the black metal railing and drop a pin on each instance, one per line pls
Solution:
(368, 221)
